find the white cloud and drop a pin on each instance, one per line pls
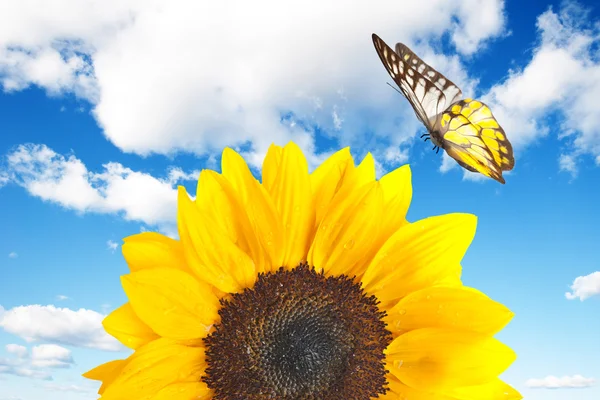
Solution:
(112, 246)
(563, 76)
(62, 297)
(553, 382)
(169, 75)
(568, 163)
(448, 163)
(66, 181)
(584, 287)
(3, 179)
(177, 175)
(51, 356)
(12, 254)
(16, 349)
(67, 388)
(79, 328)
(29, 367)
(25, 372)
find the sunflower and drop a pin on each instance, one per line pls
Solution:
(304, 286)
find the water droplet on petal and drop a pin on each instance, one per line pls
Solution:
(349, 244)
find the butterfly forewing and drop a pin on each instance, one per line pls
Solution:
(451, 92)
(426, 98)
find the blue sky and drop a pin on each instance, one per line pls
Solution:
(104, 113)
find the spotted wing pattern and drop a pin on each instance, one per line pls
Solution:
(472, 136)
(427, 100)
(451, 92)
(466, 129)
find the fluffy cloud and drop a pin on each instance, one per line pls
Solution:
(112, 246)
(25, 372)
(585, 286)
(80, 328)
(51, 356)
(67, 388)
(18, 350)
(62, 297)
(31, 365)
(12, 254)
(65, 180)
(180, 75)
(568, 163)
(563, 76)
(553, 382)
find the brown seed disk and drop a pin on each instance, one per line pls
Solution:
(298, 334)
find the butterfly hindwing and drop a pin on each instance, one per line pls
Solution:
(473, 137)
(425, 97)
(492, 133)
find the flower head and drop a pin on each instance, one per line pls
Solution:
(304, 286)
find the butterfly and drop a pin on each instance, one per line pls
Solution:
(464, 128)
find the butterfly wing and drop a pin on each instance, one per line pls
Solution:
(492, 133)
(472, 136)
(467, 129)
(451, 92)
(425, 97)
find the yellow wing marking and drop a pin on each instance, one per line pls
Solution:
(445, 119)
(475, 140)
(488, 123)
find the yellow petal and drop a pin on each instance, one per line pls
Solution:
(210, 254)
(106, 373)
(171, 302)
(326, 180)
(222, 211)
(399, 391)
(494, 390)
(271, 165)
(184, 391)
(347, 231)
(448, 307)
(433, 358)
(155, 366)
(418, 255)
(397, 194)
(361, 175)
(152, 250)
(289, 188)
(258, 205)
(127, 328)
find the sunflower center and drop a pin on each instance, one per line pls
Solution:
(298, 335)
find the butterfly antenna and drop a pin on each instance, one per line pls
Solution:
(393, 88)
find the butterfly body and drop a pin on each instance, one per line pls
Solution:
(465, 128)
